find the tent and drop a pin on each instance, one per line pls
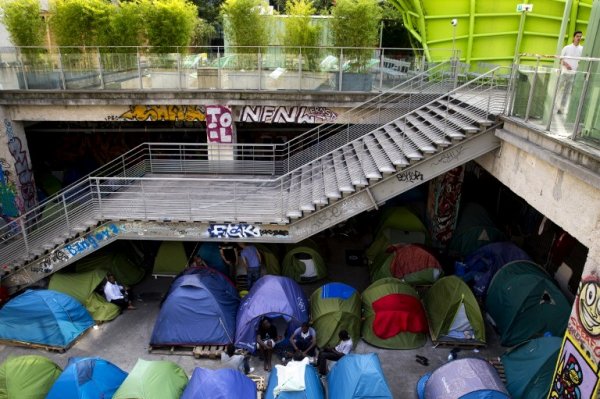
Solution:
(358, 377)
(200, 309)
(270, 259)
(453, 312)
(28, 377)
(158, 379)
(313, 387)
(412, 263)
(219, 384)
(210, 253)
(270, 296)
(304, 264)
(82, 286)
(468, 378)
(394, 317)
(523, 301)
(43, 318)
(170, 259)
(485, 262)
(473, 230)
(120, 259)
(529, 367)
(88, 377)
(335, 307)
(397, 224)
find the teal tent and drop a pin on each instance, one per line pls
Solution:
(474, 229)
(529, 367)
(304, 264)
(524, 302)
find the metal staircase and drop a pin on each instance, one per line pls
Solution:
(393, 142)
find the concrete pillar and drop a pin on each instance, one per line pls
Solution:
(17, 186)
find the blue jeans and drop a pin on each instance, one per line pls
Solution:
(253, 276)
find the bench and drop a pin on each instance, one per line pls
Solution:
(394, 69)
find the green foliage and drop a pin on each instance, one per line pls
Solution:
(169, 24)
(23, 22)
(356, 24)
(125, 28)
(80, 22)
(244, 24)
(300, 32)
(203, 33)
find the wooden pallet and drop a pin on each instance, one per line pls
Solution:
(206, 351)
(499, 367)
(471, 344)
(48, 348)
(259, 381)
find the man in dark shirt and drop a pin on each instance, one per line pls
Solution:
(265, 341)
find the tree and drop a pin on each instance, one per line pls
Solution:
(300, 32)
(81, 22)
(244, 22)
(23, 21)
(169, 24)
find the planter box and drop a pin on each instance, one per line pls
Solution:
(39, 80)
(354, 81)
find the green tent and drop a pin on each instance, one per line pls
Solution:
(394, 317)
(159, 379)
(171, 259)
(82, 286)
(412, 263)
(120, 260)
(335, 307)
(529, 367)
(304, 264)
(270, 259)
(474, 229)
(524, 302)
(397, 225)
(453, 313)
(27, 377)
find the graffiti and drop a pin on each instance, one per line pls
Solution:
(91, 240)
(154, 113)
(282, 114)
(48, 262)
(450, 156)
(443, 203)
(233, 231)
(219, 124)
(8, 191)
(22, 169)
(326, 216)
(410, 176)
(574, 377)
(274, 233)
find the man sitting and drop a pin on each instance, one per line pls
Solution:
(304, 340)
(343, 348)
(116, 293)
(237, 362)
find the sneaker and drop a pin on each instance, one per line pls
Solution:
(251, 370)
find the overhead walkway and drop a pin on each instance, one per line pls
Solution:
(269, 193)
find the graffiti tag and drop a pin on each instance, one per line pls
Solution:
(154, 113)
(91, 240)
(48, 262)
(233, 231)
(219, 124)
(22, 169)
(282, 114)
(410, 176)
(274, 232)
(450, 156)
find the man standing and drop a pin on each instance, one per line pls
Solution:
(252, 261)
(569, 67)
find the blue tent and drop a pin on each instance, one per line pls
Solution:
(313, 390)
(219, 384)
(211, 254)
(358, 376)
(200, 309)
(88, 377)
(44, 317)
(270, 296)
(482, 264)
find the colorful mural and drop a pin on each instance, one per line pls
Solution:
(443, 204)
(153, 113)
(219, 124)
(283, 114)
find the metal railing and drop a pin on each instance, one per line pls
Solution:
(119, 190)
(205, 68)
(560, 102)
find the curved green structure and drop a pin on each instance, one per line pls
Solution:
(28, 377)
(488, 31)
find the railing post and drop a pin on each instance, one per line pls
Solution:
(288, 157)
(584, 90)
(24, 233)
(218, 67)
(67, 221)
(123, 164)
(20, 59)
(151, 160)
(139, 65)
(62, 70)
(382, 57)
(281, 213)
(144, 200)
(235, 200)
(100, 67)
(259, 59)
(341, 69)
(99, 193)
(300, 70)
(179, 69)
(549, 123)
(530, 98)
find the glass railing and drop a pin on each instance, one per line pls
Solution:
(206, 68)
(559, 101)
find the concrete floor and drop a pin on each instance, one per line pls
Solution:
(125, 339)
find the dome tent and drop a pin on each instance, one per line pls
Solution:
(120, 258)
(270, 259)
(467, 378)
(523, 301)
(303, 264)
(89, 377)
(158, 379)
(200, 309)
(82, 286)
(271, 296)
(474, 229)
(313, 387)
(529, 367)
(219, 384)
(44, 318)
(412, 263)
(394, 317)
(210, 253)
(358, 377)
(28, 377)
(170, 260)
(453, 312)
(335, 307)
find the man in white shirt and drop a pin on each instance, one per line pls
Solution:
(116, 293)
(343, 348)
(569, 67)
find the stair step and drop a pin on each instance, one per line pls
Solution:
(461, 123)
(331, 186)
(357, 175)
(381, 160)
(431, 132)
(418, 138)
(306, 183)
(408, 148)
(442, 126)
(390, 149)
(366, 162)
(473, 116)
(293, 202)
(318, 187)
(341, 173)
